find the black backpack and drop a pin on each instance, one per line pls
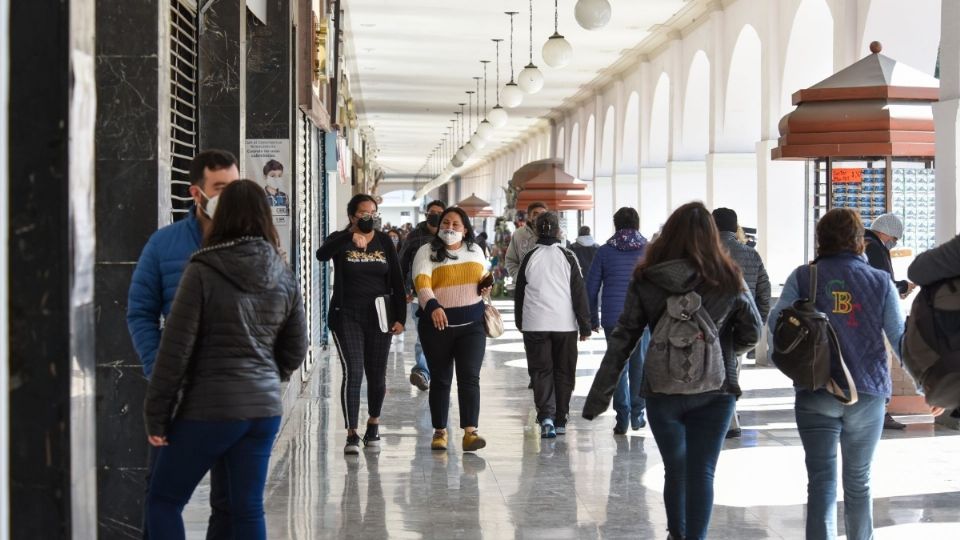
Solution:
(805, 345)
(931, 343)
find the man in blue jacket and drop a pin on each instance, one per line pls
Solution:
(611, 270)
(154, 285)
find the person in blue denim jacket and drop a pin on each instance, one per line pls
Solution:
(862, 304)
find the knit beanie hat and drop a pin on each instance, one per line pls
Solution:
(888, 224)
(726, 219)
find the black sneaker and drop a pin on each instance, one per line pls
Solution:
(890, 423)
(372, 437)
(353, 444)
(734, 433)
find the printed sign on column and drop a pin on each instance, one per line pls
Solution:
(268, 162)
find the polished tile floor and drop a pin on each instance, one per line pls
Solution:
(586, 484)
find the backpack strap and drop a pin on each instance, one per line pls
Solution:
(812, 293)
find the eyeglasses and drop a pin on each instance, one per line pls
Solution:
(368, 217)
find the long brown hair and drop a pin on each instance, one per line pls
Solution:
(691, 234)
(242, 210)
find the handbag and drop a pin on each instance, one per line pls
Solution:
(492, 322)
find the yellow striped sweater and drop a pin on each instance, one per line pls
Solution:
(451, 284)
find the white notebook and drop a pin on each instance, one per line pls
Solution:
(382, 313)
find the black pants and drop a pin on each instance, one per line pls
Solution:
(459, 348)
(552, 362)
(220, 526)
(362, 348)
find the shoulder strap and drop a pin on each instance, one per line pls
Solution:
(813, 283)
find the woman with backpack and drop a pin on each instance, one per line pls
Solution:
(236, 329)
(368, 305)
(861, 304)
(692, 296)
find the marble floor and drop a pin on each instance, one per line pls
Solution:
(586, 484)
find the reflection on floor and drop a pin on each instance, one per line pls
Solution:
(586, 484)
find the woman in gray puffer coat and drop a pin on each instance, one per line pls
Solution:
(236, 329)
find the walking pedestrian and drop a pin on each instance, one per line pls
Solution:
(368, 305)
(862, 304)
(585, 248)
(551, 307)
(235, 330)
(448, 274)
(686, 278)
(523, 239)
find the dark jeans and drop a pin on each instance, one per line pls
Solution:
(689, 431)
(552, 363)
(460, 349)
(219, 527)
(825, 423)
(243, 446)
(627, 400)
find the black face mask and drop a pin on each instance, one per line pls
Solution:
(433, 220)
(365, 225)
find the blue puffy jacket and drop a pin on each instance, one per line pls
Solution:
(612, 270)
(155, 282)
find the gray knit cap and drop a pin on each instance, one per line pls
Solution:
(888, 224)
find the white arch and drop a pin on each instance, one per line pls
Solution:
(659, 135)
(560, 151)
(573, 160)
(630, 146)
(895, 24)
(606, 150)
(589, 149)
(809, 53)
(695, 135)
(742, 110)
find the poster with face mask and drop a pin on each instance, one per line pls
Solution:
(268, 161)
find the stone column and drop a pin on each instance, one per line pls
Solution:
(223, 26)
(946, 116)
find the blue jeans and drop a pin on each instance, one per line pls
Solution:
(421, 358)
(626, 398)
(823, 423)
(195, 446)
(689, 431)
(219, 526)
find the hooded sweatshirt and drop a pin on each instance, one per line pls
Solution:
(236, 329)
(585, 248)
(611, 272)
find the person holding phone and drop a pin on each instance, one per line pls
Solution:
(366, 268)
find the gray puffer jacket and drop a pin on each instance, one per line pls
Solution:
(236, 329)
(735, 315)
(753, 270)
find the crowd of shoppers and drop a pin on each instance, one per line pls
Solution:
(217, 319)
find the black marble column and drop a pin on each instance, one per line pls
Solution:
(127, 202)
(222, 24)
(268, 74)
(50, 306)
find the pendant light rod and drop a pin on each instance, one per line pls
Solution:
(484, 62)
(477, 79)
(556, 18)
(497, 41)
(531, 31)
(511, 14)
(470, 112)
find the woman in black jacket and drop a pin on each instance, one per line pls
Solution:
(235, 330)
(689, 426)
(367, 275)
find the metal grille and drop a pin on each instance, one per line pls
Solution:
(183, 101)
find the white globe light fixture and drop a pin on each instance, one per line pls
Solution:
(592, 14)
(511, 95)
(498, 116)
(557, 51)
(485, 130)
(477, 141)
(458, 159)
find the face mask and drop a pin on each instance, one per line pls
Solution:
(396, 241)
(365, 225)
(890, 244)
(211, 207)
(275, 182)
(433, 220)
(450, 236)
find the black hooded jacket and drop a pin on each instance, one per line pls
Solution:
(735, 315)
(236, 329)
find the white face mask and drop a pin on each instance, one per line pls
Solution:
(275, 182)
(450, 236)
(211, 206)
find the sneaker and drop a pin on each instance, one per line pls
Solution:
(561, 430)
(419, 380)
(547, 430)
(638, 422)
(620, 428)
(472, 441)
(353, 444)
(372, 436)
(439, 441)
(890, 423)
(734, 433)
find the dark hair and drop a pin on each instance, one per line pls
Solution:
(548, 225)
(439, 248)
(242, 210)
(354, 204)
(482, 236)
(626, 218)
(839, 230)
(213, 160)
(584, 231)
(691, 234)
(441, 204)
(272, 165)
(726, 219)
(536, 204)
